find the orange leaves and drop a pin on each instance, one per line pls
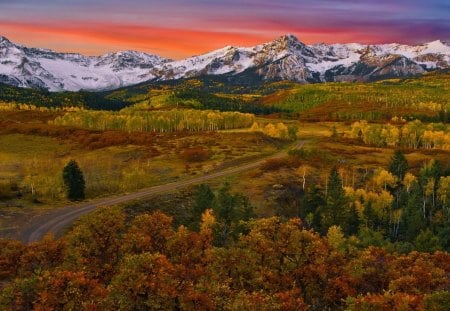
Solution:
(68, 290)
(107, 264)
(386, 302)
(10, 252)
(94, 244)
(418, 273)
(148, 233)
(144, 281)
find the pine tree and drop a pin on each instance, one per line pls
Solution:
(398, 166)
(204, 199)
(335, 211)
(74, 181)
(353, 222)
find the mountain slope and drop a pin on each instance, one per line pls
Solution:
(285, 58)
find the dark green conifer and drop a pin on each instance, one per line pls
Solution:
(74, 181)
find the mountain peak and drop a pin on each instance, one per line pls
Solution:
(436, 46)
(285, 42)
(288, 38)
(4, 41)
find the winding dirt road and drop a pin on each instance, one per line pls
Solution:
(56, 220)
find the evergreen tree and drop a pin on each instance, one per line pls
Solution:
(74, 181)
(231, 210)
(398, 166)
(370, 217)
(204, 199)
(353, 222)
(414, 221)
(335, 211)
(310, 211)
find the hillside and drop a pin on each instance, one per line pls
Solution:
(425, 97)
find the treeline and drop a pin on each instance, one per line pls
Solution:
(278, 130)
(107, 263)
(157, 121)
(412, 135)
(27, 107)
(43, 98)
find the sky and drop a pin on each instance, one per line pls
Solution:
(181, 28)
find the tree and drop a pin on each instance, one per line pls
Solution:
(230, 210)
(74, 181)
(398, 166)
(204, 199)
(94, 245)
(383, 179)
(144, 282)
(426, 241)
(335, 211)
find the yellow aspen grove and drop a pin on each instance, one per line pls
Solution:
(383, 179)
(157, 121)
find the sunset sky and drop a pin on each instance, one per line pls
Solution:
(177, 28)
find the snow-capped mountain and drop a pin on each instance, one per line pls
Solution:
(285, 58)
(25, 67)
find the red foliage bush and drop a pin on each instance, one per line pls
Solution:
(195, 154)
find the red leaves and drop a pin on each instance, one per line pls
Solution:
(195, 154)
(69, 290)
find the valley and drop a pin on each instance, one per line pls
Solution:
(202, 176)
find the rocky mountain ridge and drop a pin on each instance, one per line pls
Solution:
(285, 58)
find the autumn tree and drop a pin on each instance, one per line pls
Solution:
(144, 282)
(94, 245)
(74, 181)
(148, 233)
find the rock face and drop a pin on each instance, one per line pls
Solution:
(285, 58)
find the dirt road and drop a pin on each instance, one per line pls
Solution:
(56, 220)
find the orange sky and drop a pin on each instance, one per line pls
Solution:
(181, 28)
(98, 38)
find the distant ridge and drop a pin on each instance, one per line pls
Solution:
(285, 58)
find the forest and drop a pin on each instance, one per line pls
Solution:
(111, 262)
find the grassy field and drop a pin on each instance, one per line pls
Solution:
(33, 151)
(33, 154)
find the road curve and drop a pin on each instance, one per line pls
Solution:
(56, 220)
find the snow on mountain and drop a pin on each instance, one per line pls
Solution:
(25, 67)
(285, 58)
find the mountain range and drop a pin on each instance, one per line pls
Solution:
(285, 58)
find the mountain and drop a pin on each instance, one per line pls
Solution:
(40, 68)
(285, 58)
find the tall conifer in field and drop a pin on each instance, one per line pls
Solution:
(74, 181)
